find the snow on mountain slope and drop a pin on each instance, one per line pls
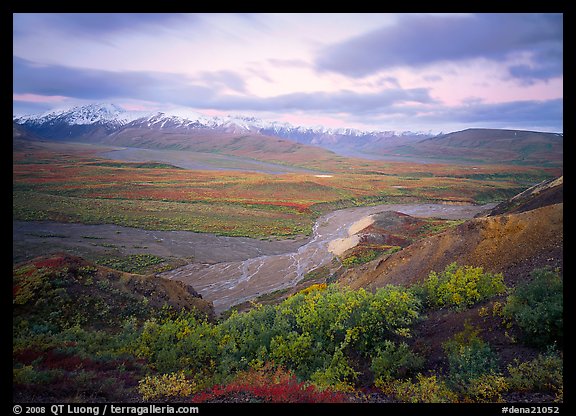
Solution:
(84, 115)
(112, 115)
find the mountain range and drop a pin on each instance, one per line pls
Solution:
(183, 129)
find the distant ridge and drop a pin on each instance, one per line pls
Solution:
(183, 129)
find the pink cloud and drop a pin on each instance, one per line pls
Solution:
(34, 98)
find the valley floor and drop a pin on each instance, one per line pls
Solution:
(225, 270)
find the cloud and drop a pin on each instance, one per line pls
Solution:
(96, 25)
(223, 78)
(205, 92)
(93, 84)
(523, 114)
(327, 102)
(423, 40)
(549, 113)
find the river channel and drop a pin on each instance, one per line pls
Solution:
(229, 283)
(225, 270)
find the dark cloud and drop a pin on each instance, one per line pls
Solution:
(409, 106)
(92, 84)
(546, 114)
(97, 25)
(419, 40)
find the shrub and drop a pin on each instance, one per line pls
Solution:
(395, 361)
(469, 357)
(426, 389)
(537, 307)
(487, 388)
(268, 383)
(462, 286)
(166, 385)
(246, 337)
(311, 288)
(543, 373)
(178, 343)
(338, 375)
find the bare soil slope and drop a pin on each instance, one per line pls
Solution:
(513, 244)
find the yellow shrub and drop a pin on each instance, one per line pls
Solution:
(487, 388)
(318, 287)
(166, 385)
(424, 390)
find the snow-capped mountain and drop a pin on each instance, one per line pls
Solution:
(104, 122)
(112, 115)
(84, 115)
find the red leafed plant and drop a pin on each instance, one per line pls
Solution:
(268, 384)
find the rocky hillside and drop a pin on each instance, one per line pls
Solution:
(528, 237)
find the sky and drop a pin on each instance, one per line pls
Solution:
(417, 72)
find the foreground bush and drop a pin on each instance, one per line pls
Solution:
(393, 361)
(166, 386)
(426, 389)
(461, 286)
(487, 388)
(543, 374)
(469, 358)
(538, 307)
(268, 384)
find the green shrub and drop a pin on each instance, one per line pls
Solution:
(469, 357)
(462, 286)
(173, 344)
(246, 337)
(395, 361)
(338, 375)
(537, 307)
(543, 373)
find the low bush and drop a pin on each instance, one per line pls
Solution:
(461, 286)
(469, 357)
(543, 373)
(487, 388)
(538, 307)
(395, 361)
(166, 386)
(270, 384)
(426, 389)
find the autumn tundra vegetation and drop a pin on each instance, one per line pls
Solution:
(86, 331)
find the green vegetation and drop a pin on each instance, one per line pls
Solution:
(81, 332)
(64, 183)
(368, 255)
(543, 373)
(461, 286)
(395, 361)
(537, 307)
(469, 358)
(425, 389)
(165, 386)
(134, 263)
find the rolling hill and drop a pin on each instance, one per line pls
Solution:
(487, 145)
(262, 140)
